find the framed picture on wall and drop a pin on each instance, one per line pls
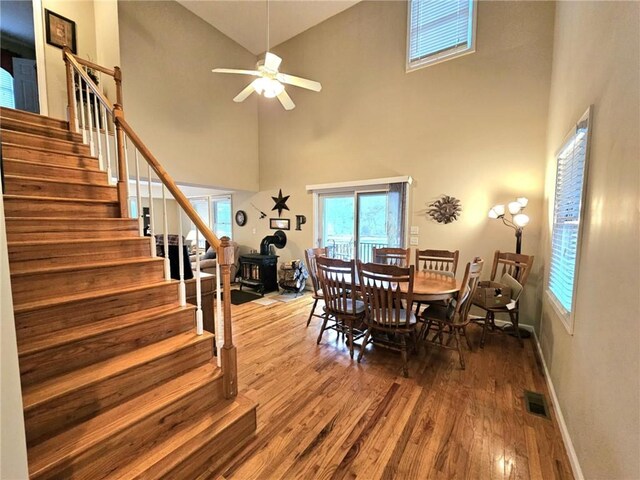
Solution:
(60, 30)
(279, 224)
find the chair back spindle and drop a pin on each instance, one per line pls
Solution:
(387, 291)
(310, 255)
(399, 257)
(335, 277)
(444, 261)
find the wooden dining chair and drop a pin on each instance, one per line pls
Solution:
(341, 304)
(386, 290)
(519, 267)
(451, 320)
(399, 257)
(441, 261)
(310, 255)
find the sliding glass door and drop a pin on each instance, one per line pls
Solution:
(352, 223)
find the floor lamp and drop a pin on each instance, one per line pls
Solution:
(518, 221)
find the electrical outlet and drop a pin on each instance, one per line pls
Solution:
(415, 230)
(413, 240)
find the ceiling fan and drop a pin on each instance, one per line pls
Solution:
(270, 82)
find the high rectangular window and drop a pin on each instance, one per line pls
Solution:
(439, 30)
(567, 218)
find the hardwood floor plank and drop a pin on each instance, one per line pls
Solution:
(323, 416)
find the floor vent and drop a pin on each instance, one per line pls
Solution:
(536, 404)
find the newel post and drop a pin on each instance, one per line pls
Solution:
(228, 351)
(71, 111)
(122, 167)
(117, 76)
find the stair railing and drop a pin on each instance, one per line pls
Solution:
(104, 128)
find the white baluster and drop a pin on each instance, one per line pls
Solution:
(82, 123)
(199, 320)
(219, 330)
(165, 237)
(107, 145)
(151, 221)
(182, 291)
(126, 171)
(96, 111)
(139, 195)
(91, 145)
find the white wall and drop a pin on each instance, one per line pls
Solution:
(596, 372)
(473, 127)
(182, 111)
(13, 444)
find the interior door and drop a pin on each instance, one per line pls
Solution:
(25, 85)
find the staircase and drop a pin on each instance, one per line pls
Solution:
(115, 381)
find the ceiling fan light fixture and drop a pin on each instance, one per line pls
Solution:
(267, 87)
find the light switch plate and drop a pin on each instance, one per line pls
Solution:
(413, 240)
(415, 230)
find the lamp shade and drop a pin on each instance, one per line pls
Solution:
(191, 236)
(499, 209)
(521, 220)
(493, 214)
(514, 207)
(522, 201)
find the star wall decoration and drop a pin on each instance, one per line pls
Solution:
(281, 203)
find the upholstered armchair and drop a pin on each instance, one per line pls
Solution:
(208, 261)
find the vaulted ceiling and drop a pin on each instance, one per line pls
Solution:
(245, 21)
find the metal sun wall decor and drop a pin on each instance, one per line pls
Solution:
(445, 210)
(281, 203)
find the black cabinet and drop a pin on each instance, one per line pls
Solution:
(259, 272)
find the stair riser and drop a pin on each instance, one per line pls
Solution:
(66, 254)
(63, 412)
(20, 138)
(52, 319)
(63, 359)
(52, 208)
(35, 129)
(42, 286)
(25, 229)
(127, 445)
(36, 170)
(39, 156)
(214, 452)
(23, 116)
(35, 187)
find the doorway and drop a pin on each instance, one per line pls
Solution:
(18, 70)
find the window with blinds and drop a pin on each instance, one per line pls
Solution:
(439, 30)
(6, 89)
(567, 215)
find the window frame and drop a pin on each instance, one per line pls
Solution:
(568, 317)
(436, 57)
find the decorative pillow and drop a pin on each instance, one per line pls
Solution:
(210, 254)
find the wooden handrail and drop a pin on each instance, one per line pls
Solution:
(166, 180)
(94, 66)
(105, 101)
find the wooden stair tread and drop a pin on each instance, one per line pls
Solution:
(65, 167)
(56, 180)
(87, 266)
(16, 124)
(35, 395)
(73, 241)
(40, 343)
(37, 136)
(58, 449)
(79, 297)
(52, 151)
(6, 112)
(57, 199)
(187, 440)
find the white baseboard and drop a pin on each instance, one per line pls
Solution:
(568, 444)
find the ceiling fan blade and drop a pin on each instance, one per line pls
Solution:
(286, 101)
(233, 70)
(272, 61)
(242, 96)
(300, 82)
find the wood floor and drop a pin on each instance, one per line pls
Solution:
(321, 415)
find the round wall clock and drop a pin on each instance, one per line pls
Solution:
(241, 218)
